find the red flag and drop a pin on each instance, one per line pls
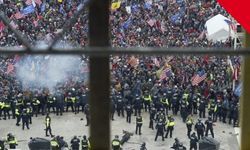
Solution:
(2, 26)
(18, 15)
(10, 68)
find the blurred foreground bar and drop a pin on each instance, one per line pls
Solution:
(245, 101)
(99, 76)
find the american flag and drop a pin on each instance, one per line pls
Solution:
(199, 77)
(231, 25)
(165, 74)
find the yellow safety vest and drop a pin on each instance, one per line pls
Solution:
(189, 121)
(54, 143)
(170, 123)
(116, 143)
(148, 98)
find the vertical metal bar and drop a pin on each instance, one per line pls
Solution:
(99, 76)
(245, 100)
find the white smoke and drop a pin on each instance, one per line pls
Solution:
(46, 71)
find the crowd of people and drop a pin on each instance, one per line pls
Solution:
(162, 86)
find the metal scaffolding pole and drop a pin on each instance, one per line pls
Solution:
(99, 75)
(245, 100)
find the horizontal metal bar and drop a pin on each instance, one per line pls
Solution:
(104, 51)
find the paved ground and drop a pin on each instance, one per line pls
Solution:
(71, 124)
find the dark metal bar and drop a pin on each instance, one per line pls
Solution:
(68, 25)
(106, 51)
(99, 75)
(245, 103)
(19, 36)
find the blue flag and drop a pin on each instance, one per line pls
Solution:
(127, 23)
(238, 90)
(147, 6)
(27, 10)
(42, 9)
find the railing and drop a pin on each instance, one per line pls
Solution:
(99, 52)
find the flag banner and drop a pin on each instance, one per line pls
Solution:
(166, 73)
(18, 15)
(27, 10)
(151, 22)
(2, 26)
(232, 26)
(127, 23)
(199, 77)
(238, 90)
(133, 61)
(10, 68)
(115, 5)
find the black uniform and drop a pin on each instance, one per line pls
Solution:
(18, 116)
(152, 117)
(87, 113)
(139, 121)
(48, 125)
(6, 109)
(75, 143)
(200, 128)
(170, 127)
(59, 103)
(137, 105)
(129, 111)
(209, 127)
(120, 106)
(202, 108)
(25, 119)
(193, 142)
(160, 130)
(112, 110)
(85, 143)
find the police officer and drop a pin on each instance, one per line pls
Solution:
(75, 143)
(224, 111)
(152, 114)
(139, 122)
(160, 130)
(29, 112)
(147, 100)
(51, 103)
(85, 143)
(116, 143)
(48, 125)
(177, 145)
(77, 104)
(2, 146)
(59, 103)
(143, 146)
(6, 109)
(175, 104)
(25, 119)
(112, 110)
(202, 107)
(184, 109)
(189, 124)
(120, 106)
(137, 105)
(87, 114)
(35, 104)
(219, 111)
(195, 100)
(209, 126)
(212, 109)
(18, 115)
(193, 141)
(200, 128)
(54, 144)
(129, 112)
(165, 102)
(11, 141)
(170, 127)
(69, 101)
